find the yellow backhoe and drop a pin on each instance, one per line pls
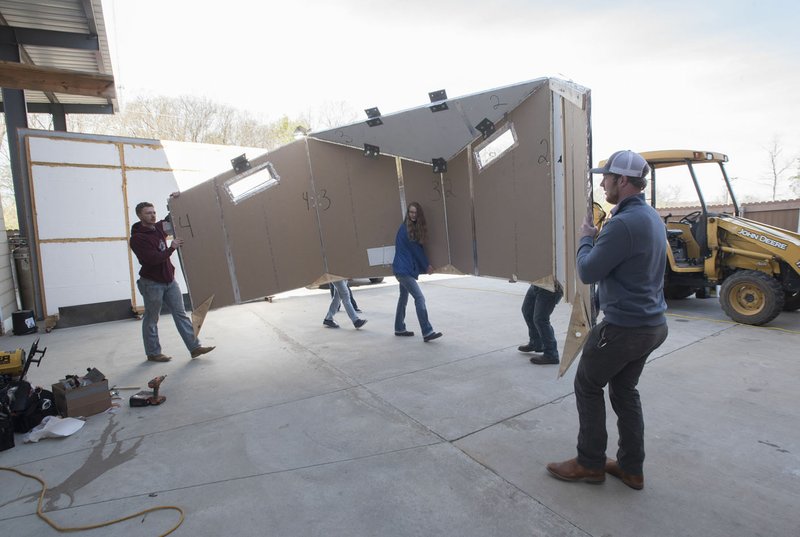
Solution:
(757, 266)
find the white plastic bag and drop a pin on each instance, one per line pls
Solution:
(53, 427)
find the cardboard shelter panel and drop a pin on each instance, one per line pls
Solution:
(273, 235)
(56, 187)
(513, 200)
(422, 135)
(498, 222)
(579, 192)
(356, 200)
(84, 273)
(578, 197)
(458, 198)
(196, 220)
(425, 187)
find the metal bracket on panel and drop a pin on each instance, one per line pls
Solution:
(371, 151)
(486, 127)
(439, 165)
(374, 116)
(240, 164)
(438, 98)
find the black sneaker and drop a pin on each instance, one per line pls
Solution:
(544, 360)
(359, 323)
(432, 336)
(330, 323)
(404, 333)
(528, 348)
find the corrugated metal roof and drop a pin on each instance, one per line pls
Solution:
(74, 16)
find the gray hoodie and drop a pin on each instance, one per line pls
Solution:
(627, 261)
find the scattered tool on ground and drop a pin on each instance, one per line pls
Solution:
(146, 398)
(14, 366)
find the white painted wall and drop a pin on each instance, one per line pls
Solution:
(85, 189)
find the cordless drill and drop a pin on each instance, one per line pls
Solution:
(145, 398)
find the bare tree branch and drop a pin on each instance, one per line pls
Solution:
(777, 166)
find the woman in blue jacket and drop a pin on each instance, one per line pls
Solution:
(409, 261)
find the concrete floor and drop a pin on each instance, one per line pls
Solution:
(292, 429)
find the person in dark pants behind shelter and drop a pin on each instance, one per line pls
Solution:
(409, 261)
(157, 283)
(352, 298)
(537, 307)
(627, 261)
(342, 296)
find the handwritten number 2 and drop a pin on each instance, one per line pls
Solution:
(543, 157)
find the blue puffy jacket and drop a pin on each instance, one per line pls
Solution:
(409, 256)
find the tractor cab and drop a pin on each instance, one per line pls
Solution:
(757, 266)
(689, 232)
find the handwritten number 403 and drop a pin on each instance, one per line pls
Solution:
(323, 201)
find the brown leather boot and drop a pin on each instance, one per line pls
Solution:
(632, 480)
(199, 351)
(572, 471)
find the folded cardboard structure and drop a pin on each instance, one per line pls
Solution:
(502, 176)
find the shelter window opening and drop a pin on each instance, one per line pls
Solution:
(494, 147)
(251, 182)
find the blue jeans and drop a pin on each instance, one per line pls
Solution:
(536, 309)
(613, 355)
(409, 285)
(352, 297)
(341, 296)
(155, 294)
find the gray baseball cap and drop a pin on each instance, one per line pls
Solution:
(625, 163)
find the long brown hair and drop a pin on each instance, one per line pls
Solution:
(417, 231)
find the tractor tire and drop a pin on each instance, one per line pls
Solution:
(791, 301)
(751, 297)
(677, 292)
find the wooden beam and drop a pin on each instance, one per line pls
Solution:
(31, 77)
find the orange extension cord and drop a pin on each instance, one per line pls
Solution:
(56, 527)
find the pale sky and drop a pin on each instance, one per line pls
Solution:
(710, 75)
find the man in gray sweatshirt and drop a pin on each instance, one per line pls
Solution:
(627, 261)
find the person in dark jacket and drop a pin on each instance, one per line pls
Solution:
(157, 283)
(627, 262)
(409, 261)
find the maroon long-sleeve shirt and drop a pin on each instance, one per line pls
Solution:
(152, 251)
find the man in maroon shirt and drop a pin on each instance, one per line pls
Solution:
(157, 283)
